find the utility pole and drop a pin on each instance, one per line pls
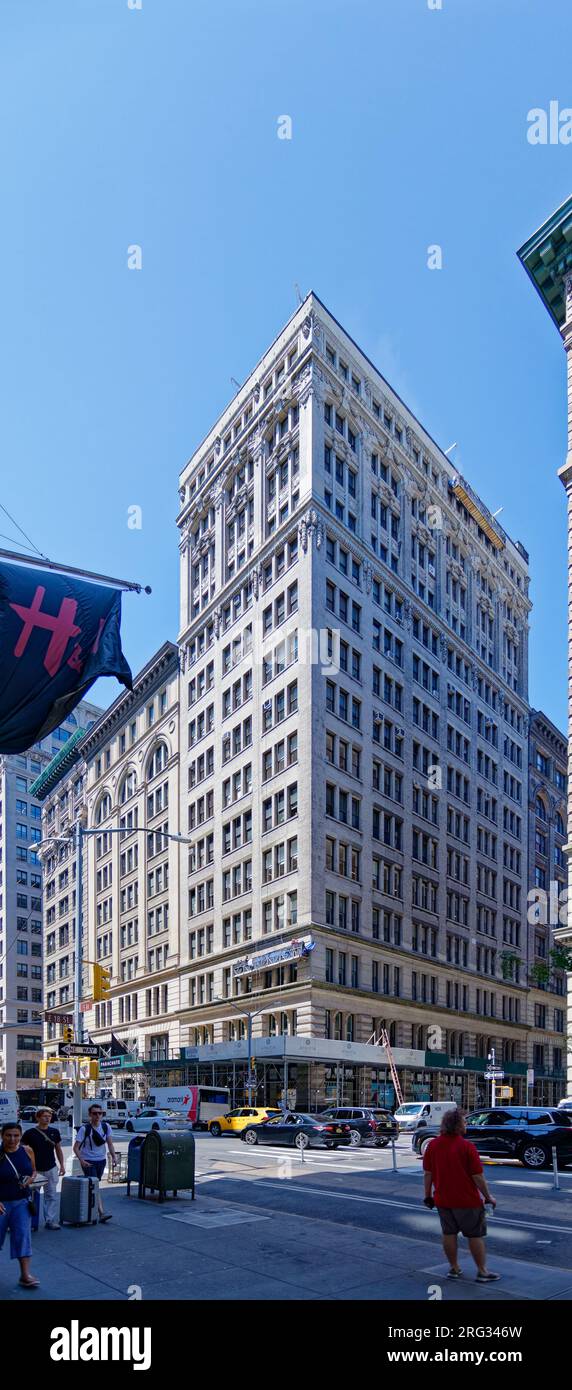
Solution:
(77, 1014)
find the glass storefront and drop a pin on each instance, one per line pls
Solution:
(310, 1086)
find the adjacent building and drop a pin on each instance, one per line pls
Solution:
(547, 259)
(547, 909)
(122, 778)
(21, 903)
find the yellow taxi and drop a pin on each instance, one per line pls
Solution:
(235, 1120)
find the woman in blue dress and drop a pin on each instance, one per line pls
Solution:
(17, 1169)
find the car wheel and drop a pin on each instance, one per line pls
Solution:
(250, 1137)
(355, 1138)
(534, 1156)
(302, 1141)
(215, 1129)
(129, 1126)
(424, 1145)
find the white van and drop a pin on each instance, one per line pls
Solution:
(116, 1112)
(9, 1107)
(420, 1114)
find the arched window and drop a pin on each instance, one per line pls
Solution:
(337, 1025)
(509, 1048)
(540, 808)
(272, 1026)
(419, 1037)
(284, 1023)
(456, 1045)
(103, 809)
(158, 761)
(128, 787)
(559, 823)
(350, 1028)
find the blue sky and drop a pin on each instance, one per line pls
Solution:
(159, 127)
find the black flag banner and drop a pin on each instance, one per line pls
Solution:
(58, 633)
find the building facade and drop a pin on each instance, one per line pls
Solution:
(125, 779)
(547, 258)
(547, 908)
(21, 904)
(354, 746)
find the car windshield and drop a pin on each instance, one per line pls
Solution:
(409, 1109)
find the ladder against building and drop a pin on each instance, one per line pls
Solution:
(383, 1041)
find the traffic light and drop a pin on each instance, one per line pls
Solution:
(101, 982)
(67, 1033)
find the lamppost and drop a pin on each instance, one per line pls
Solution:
(79, 832)
(249, 1014)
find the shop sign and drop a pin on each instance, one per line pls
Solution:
(292, 950)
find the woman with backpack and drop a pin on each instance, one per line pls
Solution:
(91, 1142)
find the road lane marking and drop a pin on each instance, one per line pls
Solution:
(389, 1202)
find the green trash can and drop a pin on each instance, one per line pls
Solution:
(167, 1162)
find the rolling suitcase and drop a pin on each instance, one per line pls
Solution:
(79, 1201)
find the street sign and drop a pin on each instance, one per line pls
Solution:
(78, 1050)
(112, 1063)
(51, 1017)
(494, 1074)
(85, 1005)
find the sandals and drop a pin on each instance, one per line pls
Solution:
(29, 1283)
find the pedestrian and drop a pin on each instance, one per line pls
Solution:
(91, 1139)
(17, 1169)
(456, 1185)
(46, 1142)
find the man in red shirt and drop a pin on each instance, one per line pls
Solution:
(454, 1181)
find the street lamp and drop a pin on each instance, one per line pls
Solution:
(80, 832)
(249, 1014)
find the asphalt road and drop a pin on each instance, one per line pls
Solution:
(359, 1188)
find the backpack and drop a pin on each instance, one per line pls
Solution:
(88, 1129)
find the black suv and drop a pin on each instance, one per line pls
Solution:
(367, 1124)
(526, 1132)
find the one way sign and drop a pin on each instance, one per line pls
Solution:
(78, 1050)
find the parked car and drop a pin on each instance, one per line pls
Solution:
(298, 1131)
(28, 1114)
(565, 1104)
(236, 1120)
(154, 1119)
(368, 1124)
(528, 1133)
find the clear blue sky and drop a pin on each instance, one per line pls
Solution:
(158, 127)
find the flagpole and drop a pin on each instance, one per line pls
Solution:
(39, 563)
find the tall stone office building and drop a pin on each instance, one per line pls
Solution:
(354, 749)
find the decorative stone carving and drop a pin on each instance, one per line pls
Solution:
(310, 528)
(182, 494)
(218, 444)
(367, 571)
(217, 619)
(443, 646)
(408, 614)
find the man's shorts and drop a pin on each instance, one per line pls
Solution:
(466, 1221)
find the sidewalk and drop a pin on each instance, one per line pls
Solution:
(217, 1249)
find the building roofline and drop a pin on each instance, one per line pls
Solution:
(313, 298)
(164, 661)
